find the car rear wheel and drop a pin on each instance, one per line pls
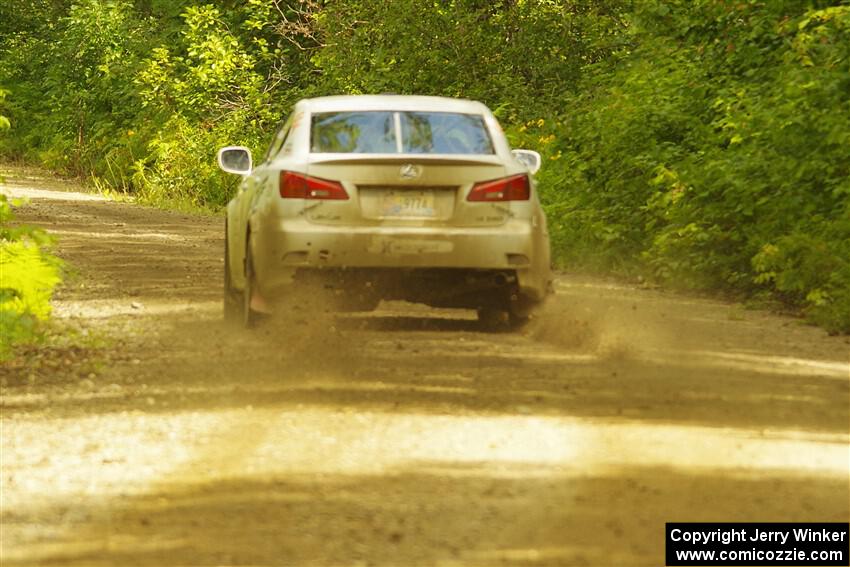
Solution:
(506, 314)
(249, 316)
(501, 320)
(493, 318)
(232, 297)
(517, 320)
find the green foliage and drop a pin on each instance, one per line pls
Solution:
(702, 143)
(4, 121)
(518, 56)
(183, 170)
(28, 275)
(139, 95)
(714, 153)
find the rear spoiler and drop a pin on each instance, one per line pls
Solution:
(401, 159)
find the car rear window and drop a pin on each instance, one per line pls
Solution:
(374, 132)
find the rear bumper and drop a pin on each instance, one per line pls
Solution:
(280, 249)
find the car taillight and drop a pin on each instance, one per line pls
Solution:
(297, 186)
(514, 188)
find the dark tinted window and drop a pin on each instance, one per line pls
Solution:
(444, 133)
(353, 132)
(421, 132)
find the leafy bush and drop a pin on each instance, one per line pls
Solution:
(4, 121)
(713, 154)
(29, 275)
(519, 57)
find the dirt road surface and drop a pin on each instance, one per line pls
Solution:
(403, 437)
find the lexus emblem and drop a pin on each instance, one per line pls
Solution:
(410, 171)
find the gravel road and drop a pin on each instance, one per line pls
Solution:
(156, 436)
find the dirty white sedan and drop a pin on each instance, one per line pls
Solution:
(387, 197)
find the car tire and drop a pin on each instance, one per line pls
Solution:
(248, 315)
(493, 318)
(519, 310)
(232, 298)
(518, 320)
(502, 319)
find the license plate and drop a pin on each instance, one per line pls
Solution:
(408, 204)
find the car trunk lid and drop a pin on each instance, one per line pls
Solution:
(406, 190)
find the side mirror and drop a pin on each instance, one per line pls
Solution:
(528, 158)
(235, 159)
